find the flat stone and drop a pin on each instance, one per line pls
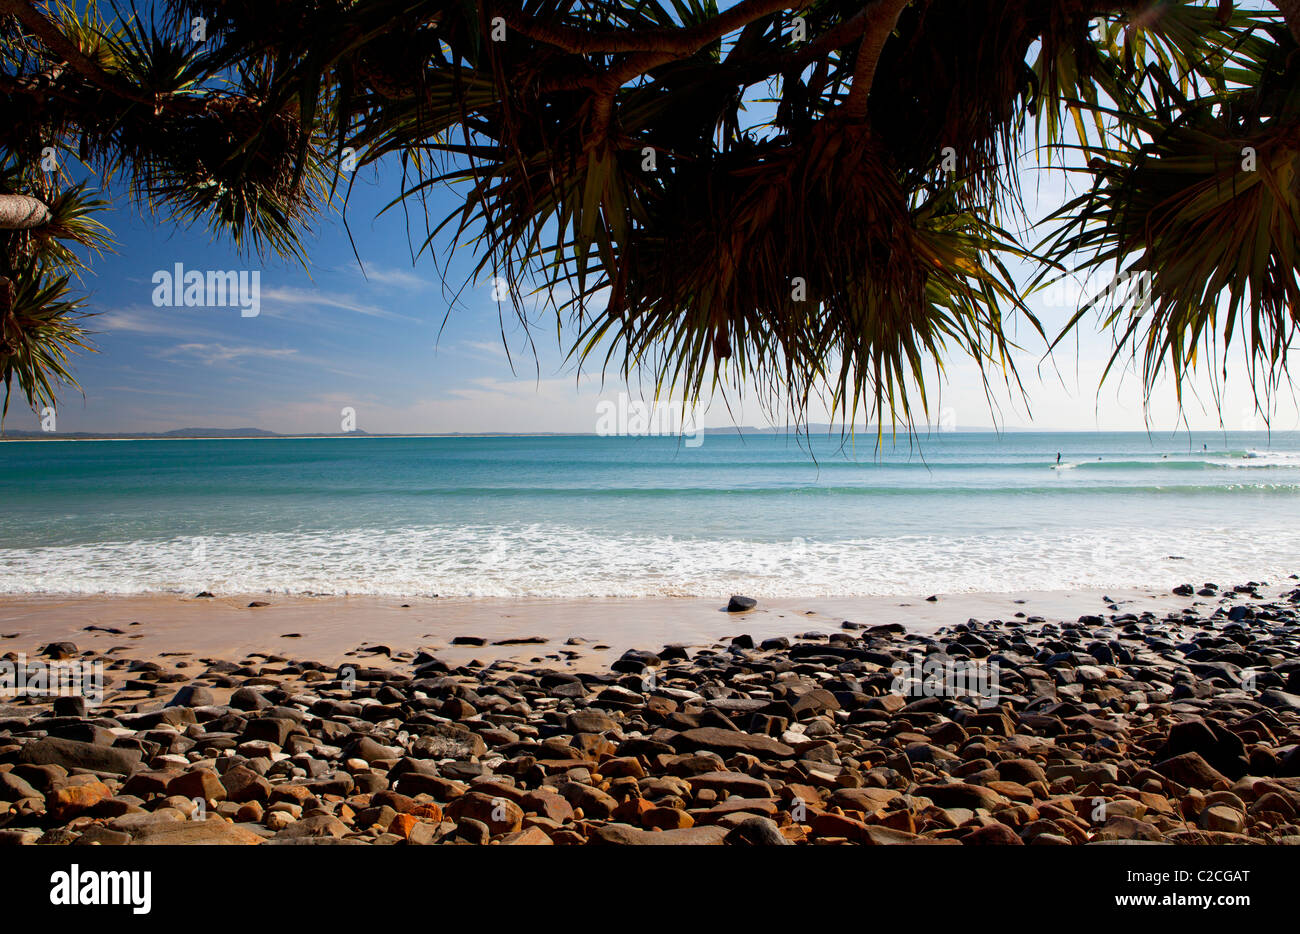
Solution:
(590, 721)
(1084, 773)
(732, 741)
(318, 825)
(99, 835)
(75, 755)
(758, 831)
(1191, 770)
(23, 836)
(144, 784)
(529, 836)
(993, 835)
(837, 825)
(138, 823)
(627, 835)
(212, 832)
(14, 788)
(961, 795)
(737, 783)
(193, 695)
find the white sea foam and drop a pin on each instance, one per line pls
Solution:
(550, 561)
(1254, 458)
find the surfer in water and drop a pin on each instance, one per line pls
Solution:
(1058, 457)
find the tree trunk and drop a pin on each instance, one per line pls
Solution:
(1291, 13)
(20, 212)
(882, 17)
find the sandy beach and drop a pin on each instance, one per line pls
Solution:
(334, 629)
(1040, 719)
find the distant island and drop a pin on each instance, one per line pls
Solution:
(188, 433)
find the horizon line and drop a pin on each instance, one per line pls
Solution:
(262, 434)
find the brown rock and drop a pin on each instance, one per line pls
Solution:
(961, 795)
(593, 802)
(762, 807)
(198, 783)
(146, 784)
(1013, 790)
(500, 815)
(1223, 818)
(212, 832)
(828, 824)
(992, 835)
(317, 825)
(736, 783)
(1024, 771)
(243, 784)
(66, 803)
(402, 825)
(867, 800)
(660, 818)
(547, 804)
(732, 741)
(1130, 828)
(1191, 770)
(627, 835)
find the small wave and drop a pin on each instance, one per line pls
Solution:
(1182, 462)
(542, 560)
(1256, 458)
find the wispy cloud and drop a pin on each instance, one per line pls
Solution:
(319, 299)
(393, 277)
(166, 393)
(226, 353)
(485, 350)
(153, 321)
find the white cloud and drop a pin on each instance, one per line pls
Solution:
(319, 299)
(394, 278)
(487, 350)
(155, 321)
(225, 353)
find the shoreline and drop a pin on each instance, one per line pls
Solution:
(329, 628)
(1151, 719)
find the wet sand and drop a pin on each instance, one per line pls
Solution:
(330, 629)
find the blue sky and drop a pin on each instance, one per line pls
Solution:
(334, 336)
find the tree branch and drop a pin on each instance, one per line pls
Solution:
(1291, 13)
(78, 62)
(838, 36)
(39, 24)
(882, 17)
(833, 39)
(685, 40)
(21, 212)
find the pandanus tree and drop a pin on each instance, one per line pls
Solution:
(843, 244)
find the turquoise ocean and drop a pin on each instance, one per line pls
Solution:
(584, 516)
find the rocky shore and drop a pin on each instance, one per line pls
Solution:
(1179, 728)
